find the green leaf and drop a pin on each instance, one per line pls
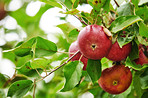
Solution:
(72, 72)
(126, 9)
(42, 47)
(19, 88)
(97, 4)
(134, 54)
(87, 16)
(106, 7)
(144, 79)
(143, 29)
(142, 12)
(124, 40)
(3, 79)
(72, 12)
(67, 3)
(134, 65)
(66, 28)
(136, 90)
(94, 69)
(40, 63)
(73, 34)
(9, 55)
(142, 40)
(53, 3)
(122, 22)
(27, 70)
(135, 2)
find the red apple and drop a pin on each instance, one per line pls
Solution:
(74, 48)
(93, 42)
(116, 79)
(143, 59)
(2, 11)
(117, 54)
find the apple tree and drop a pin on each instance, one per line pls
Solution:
(107, 56)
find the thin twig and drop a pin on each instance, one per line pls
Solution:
(59, 66)
(116, 3)
(80, 20)
(34, 88)
(38, 73)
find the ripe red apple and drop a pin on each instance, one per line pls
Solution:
(143, 59)
(116, 79)
(2, 11)
(74, 48)
(117, 54)
(93, 42)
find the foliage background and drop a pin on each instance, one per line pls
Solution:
(32, 50)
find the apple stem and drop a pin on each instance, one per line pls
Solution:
(59, 66)
(116, 3)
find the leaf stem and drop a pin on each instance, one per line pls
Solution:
(116, 3)
(59, 66)
(8, 81)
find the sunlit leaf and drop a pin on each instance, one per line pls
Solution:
(53, 3)
(126, 9)
(72, 72)
(143, 30)
(122, 22)
(40, 63)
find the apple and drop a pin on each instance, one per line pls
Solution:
(93, 42)
(143, 59)
(2, 11)
(117, 54)
(74, 48)
(115, 79)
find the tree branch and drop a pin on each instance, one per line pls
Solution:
(116, 3)
(59, 66)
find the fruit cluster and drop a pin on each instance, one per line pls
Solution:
(94, 43)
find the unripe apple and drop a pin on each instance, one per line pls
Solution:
(93, 42)
(117, 54)
(143, 59)
(116, 79)
(74, 48)
(2, 11)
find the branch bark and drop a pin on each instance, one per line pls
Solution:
(59, 66)
(116, 3)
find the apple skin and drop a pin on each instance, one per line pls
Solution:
(117, 54)
(74, 48)
(142, 57)
(115, 79)
(2, 11)
(93, 42)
